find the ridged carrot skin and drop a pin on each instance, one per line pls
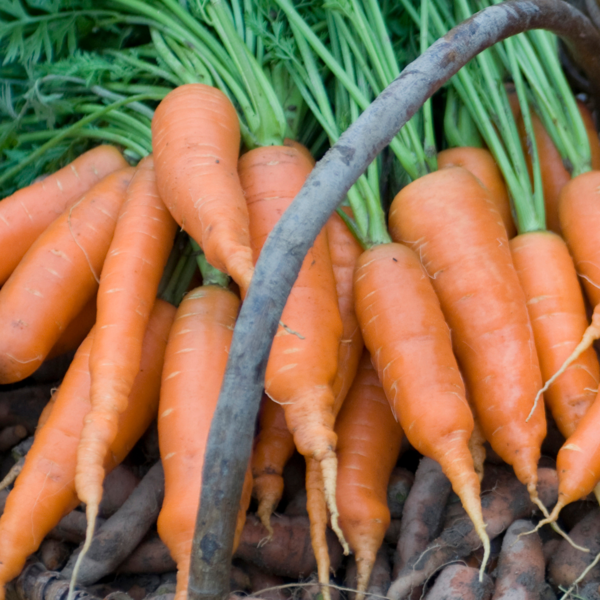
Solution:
(410, 346)
(558, 317)
(273, 447)
(76, 331)
(131, 274)
(25, 214)
(195, 362)
(579, 213)
(45, 489)
(196, 143)
(449, 220)
(369, 440)
(481, 163)
(303, 361)
(57, 277)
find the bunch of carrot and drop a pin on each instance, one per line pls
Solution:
(459, 328)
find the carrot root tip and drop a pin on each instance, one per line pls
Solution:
(329, 470)
(264, 512)
(550, 519)
(364, 567)
(91, 514)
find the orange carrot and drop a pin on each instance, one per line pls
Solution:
(554, 174)
(369, 440)
(130, 276)
(76, 331)
(579, 213)
(448, 218)
(196, 140)
(25, 214)
(303, 360)
(578, 462)
(404, 329)
(195, 363)
(344, 251)
(57, 277)
(45, 490)
(481, 163)
(273, 447)
(557, 313)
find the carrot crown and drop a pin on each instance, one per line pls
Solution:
(481, 88)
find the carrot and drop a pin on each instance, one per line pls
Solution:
(130, 276)
(448, 218)
(195, 363)
(557, 313)
(196, 139)
(579, 213)
(578, 461)
(409, 341)
(578, 216)
(554, 174)
(57, 278)
(76, 331)
(344, 251)
(369, 440)
(45, 489)
(273, 447)
(303, 360)
(481, 163)
(25, 214)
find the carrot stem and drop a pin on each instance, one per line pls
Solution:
(270, 121)
(429, 137)
(210, 275)
(67, 131)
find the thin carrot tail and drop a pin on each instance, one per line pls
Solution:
(99, 431)
(91, 512)
(592, 333)
(329, 472)
(457, 464)
(317, 513)
(550, 519)
(364, 567)
(472, 505)
(268, 489)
